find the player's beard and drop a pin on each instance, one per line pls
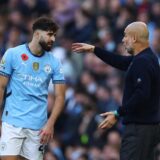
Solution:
(45, 46)
(130, 51)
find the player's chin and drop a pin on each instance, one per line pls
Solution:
(48, 48)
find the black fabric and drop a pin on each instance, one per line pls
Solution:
(139, 142)
(141, 99)
(115, 60)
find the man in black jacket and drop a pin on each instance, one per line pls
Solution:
(140, 106)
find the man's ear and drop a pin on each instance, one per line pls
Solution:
(135, 38)
(36, 34)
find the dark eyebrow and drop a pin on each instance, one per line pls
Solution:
(51, 33)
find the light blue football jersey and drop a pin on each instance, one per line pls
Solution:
(27, 90)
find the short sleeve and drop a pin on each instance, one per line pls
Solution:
(58, 75)
(6, 64)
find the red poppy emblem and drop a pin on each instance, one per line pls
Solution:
(24, 57)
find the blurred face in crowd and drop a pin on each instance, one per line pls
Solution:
(49, 156)
(46, 39)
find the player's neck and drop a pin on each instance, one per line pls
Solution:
(35, 48)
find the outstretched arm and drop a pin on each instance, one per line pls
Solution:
(118, 61)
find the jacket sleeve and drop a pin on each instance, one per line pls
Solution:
(117, 61)
(141, 78)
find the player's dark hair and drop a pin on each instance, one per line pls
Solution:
(45, 24)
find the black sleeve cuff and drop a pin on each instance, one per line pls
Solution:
(96, 49)
(121, 111)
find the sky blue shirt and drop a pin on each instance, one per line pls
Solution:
(27, 90)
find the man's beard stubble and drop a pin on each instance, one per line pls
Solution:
(130, 51)
(45, 46)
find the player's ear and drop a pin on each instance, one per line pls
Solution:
(36, 33)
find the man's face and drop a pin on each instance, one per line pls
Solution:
(128, 41)
(46, 40)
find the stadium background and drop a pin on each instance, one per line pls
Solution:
(92, 86)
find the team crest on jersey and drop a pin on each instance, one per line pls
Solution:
(61, 70)
(36, 66)
(47, 68)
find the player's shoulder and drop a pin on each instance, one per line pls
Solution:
(19, 47)
(53, 58)
(16, 48)
(141, 61)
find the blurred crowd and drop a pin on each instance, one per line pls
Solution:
(93, 87)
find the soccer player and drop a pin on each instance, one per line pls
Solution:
(141, 100)
(25, 73)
